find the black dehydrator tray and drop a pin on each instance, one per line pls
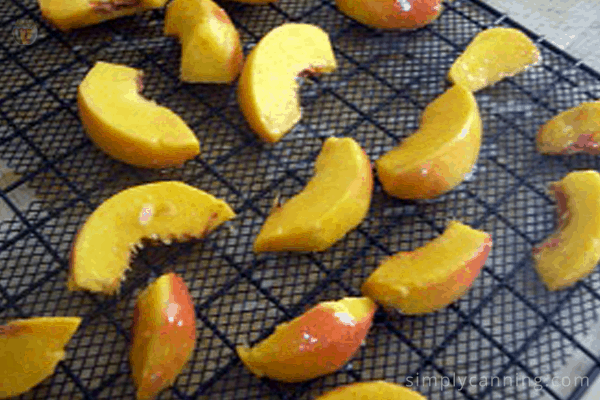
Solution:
(508, 325)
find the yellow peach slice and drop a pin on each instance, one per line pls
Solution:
(576, 130)
(493, 55)
(268, 90)
(30, 350)
(433, 276)
(334, 202)
(572, 252)
(211, 48)
(129, 127)
(316, 343)
(167, 210)
(392, 14)
(437, 157)
(374, 390)
(72, 14)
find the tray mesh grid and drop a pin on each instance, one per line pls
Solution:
(507, 326)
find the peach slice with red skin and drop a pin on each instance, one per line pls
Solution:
(166, 211)
(433, 276)
(573, 250)
(392, 14)
(374, 390)
(316, 343)
(163, 335)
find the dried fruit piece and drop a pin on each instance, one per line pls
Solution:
(375, 390)
(392, 14)
(576, 130)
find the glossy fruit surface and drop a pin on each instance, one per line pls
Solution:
(392, 14)
(374, 390)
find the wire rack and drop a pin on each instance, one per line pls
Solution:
(507, 326)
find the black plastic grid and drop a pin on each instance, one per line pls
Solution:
(508, 325)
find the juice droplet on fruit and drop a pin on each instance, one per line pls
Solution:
(404, 5)
(146, 214)
(345, 318)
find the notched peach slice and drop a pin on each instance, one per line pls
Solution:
(268, 90)
(433, 276)
(392, 14)
(129, 127)
(334, 202)
(437, 157)
(493, 55)
(576, 130)
(30, 350)
(316, 343)
(166, 211)
(374, 390)
(573, 250)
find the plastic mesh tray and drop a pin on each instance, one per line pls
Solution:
(508, 325)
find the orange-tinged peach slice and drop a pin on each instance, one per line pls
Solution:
(30, 350)
(126, 125)
(437, 157)
(494, 54)
(576, 130)
(573, 250)
(392, 14)
(72, 14)
(374, 390)
(316, 343)
(167, 210)
(163, 335)
(268, 90)
(433, 276)
(334, 202)
(211, 48)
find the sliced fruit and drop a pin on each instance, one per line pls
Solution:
(167, 210)
(392, 14)
(334, 202)
(268, 90)
(316, 343)
(30, 350)
(437, 157)
(72, 14)
(163, 335)
(129, 127)
(433, 276)
(573, 250)
(374, 390)
(211, 49)
(493, 55)
(576, 130)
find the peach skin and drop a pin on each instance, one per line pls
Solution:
(316, 343)
(163, 335)
(167, 210)
(335, 201)
(392, 14)
(433, 276)
(436, 158)
(573, 250)
(374, 390)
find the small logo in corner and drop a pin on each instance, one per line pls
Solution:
(25, 32)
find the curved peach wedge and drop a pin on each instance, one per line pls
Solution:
(374, 390)
(573, 250)
(433, 276)
(167, 210)
(392, 14)
(316, 343)
(163, 335)
(129, 127)
(437, 157)
(576, 130)
(493, 55)
(335, 201)
(267, 88)
(211, 51)
(30, 350)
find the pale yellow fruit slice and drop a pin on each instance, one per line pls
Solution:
(576, 130)
(375, 390)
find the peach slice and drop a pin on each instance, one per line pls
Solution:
(334, 202)
(493, 55)
(268, 90)
(71, 14)
(129, 127)
(211, 48)
(374, 390)
(167, 210)
(30, 350)
(576, 130)
(392, 14)
(316, 343)
(573, 250)
(433, 276)
(437, 157)
(163, 335)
